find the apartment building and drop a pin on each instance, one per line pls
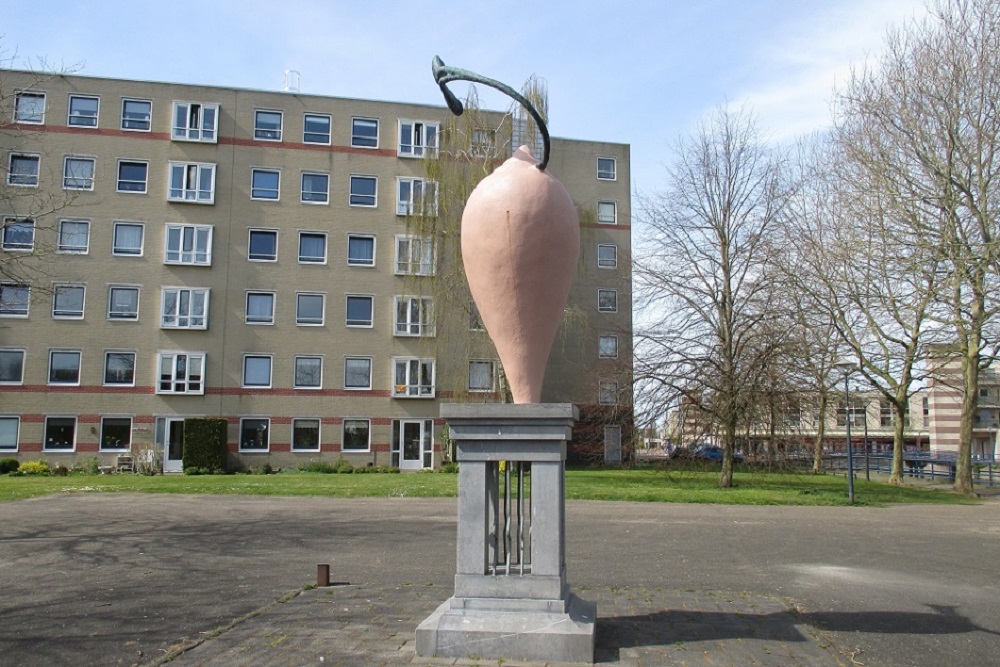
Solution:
(945, 406)
(271, 258)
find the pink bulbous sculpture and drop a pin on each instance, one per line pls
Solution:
(520, 247)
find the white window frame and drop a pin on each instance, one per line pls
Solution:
(266, 431)
(119, 180)
(607, 203)
(267, 134)
(250, 234)
(411, 387)
(264, 193)
(63, 313)
(604, 343)
(299, 320)
(191, 188)
(312, 197)
(319, 434)
(363, 197)
(199, 122)
(187, 236)
(9, 223)
(413, 316)
(66, 248)
(74, 181)
(6, 304)
(305, 124)
(79, 119)
(600, 294)
(123, 315)
(295, 372)
(603, 262)
(362, 263)
(104, 374)
(343, 435)
(255, 320)
(17, 432)
(270, 371)
(45, 434)
(347, 361)
(115, 250)
(172, 380)
(359, 324)
(313, 260)
(358, 140)
(23, 180)
(493, 376)
(136, 124)
(79, 368)
(423, 142)
(14, 351)
(426, 262)
(185, 320)
(30, 115)
(122, 447)
(607, 175)
(407, 200)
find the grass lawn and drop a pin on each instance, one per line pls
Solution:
(636, 484)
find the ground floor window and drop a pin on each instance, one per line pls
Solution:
(60, 434)
(116, 433)
(254, 434)
(305, 435)
(357, 435)
(8, 433)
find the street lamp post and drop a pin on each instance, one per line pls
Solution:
(847, 368)
(868, 467)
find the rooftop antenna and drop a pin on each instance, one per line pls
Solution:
(292, 79)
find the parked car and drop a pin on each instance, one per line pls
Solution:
(713, 453)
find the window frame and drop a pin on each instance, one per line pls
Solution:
(197, 231)
(409, 389)
(311, 197)
(244, 383)
(145, 179)
(14, 351)
(303, 322)
(17, 225)
(602, 349)
(356, 323)
(295, 372)
(266, 431)
(24, 180)
(614, 212)
(87, 181)
(63, 313)
(603, 262)
(17, 432)
(161, 356)
(423, 327)
(368, 384)
(265, 133)
(404, 268)
(493, 377)
(423, 148)
(135, 124)
(367, 264)
(607, 388)
(115, 249)
(51, 379)
(359, 139)
(319, 434)
(205, 293)
(27, 116)
(368, 435)
(601, 293)
(105, 382)
(122, 447)
(261, 231)
(604, 175)
(186, 193)
(262, 192)
(194, 128)
(405, 207)
(5, 306)
(355, 199)
(317, 261)
(70, 116)
(258, 321)
(64, 247)
(45, 434)
(306, 116)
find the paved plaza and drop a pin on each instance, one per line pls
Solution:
(135, 579)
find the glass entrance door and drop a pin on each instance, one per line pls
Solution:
(173, 445)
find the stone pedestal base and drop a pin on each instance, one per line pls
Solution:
(561, 631)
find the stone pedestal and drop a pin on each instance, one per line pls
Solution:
(511, 599)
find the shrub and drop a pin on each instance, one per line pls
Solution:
(449, 467)
(318, 466)
(9, 465)
(34, 468)
(344, 467)
(60, 470)
(205, 443)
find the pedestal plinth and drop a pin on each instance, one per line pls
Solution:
(512, 599)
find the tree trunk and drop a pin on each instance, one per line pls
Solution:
(896, 477)
(728, 441)
(820, 435)
(970, 371)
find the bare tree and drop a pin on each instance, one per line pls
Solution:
(702, 272)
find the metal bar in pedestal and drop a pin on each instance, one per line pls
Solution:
(506, 517)
(520, 516)
(494, 493)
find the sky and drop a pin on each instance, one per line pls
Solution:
(641, 72)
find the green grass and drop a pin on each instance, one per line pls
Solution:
(635, 484)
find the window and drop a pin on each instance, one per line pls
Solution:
(192, 182)
(416, 196)
(607, 347)
(253, 434)
(316, 129)
(18, 234)
(606, 170)
(308, 373)
(127, 238)
(984, 392)
(23, 170)
(11, 366)
(358, 373)
(357, 435)
(263, 245)
(364, 132)
(607, 300)
(312, 248)
(265, 184)
(413, 378)
(310, 309)
(607, 212)
(136, 115)
(926, 406)
(414, 316)
(360, 250)
(181, 373)
(119, 368)
(132, 176)
(195, 122)
(417, 138)
(364, 191)
(260, 308)
(14, 299)
(480, 376)
(607, 392)
(359, 310)
(257, 370)
(74, 236)
(60, 434)
(184, 308)
(29, 107)
(885, 412)
(67, 301)
(123, 303)
(9, 427)
(64, 367)
(116, 433)
(315, 188)
(267, 125)
(305, 435)
(83, 111)
(414, 256)
(607, 256)
(482, 142)
(78, 173)
(188, 244)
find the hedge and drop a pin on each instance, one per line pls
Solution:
(205, 443)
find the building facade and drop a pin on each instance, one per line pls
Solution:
(174, 251)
